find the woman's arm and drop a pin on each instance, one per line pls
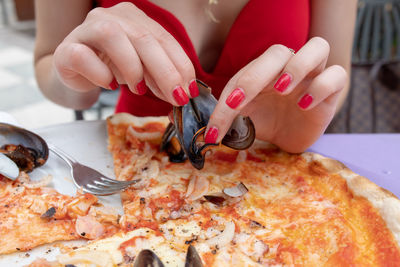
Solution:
(55, 20)
(334, 21)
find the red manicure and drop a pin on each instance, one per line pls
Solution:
(141, 87)
(305, 101)
(211, 136)
(180, 96)
(283, 82)
(114, 84)
(193, 89)
(235, 98)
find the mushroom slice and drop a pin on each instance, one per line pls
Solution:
(236, 191)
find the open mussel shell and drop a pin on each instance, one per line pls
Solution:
(194, 116)
(147, 258)
(27, 149)
(192, 258)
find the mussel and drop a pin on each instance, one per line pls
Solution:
(183, 138)
(148, 258)
(25, 148)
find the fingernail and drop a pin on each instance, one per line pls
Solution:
(211, 136)
(180, 96)
(283, 82)
(235, 98)
(193, 89)
(141, 87)
(305, 101)
(114, 84)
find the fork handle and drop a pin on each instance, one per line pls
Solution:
(70, 160)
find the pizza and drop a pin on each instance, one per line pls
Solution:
(256, 207)
(32, 214)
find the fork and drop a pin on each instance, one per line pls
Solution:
(90, 180)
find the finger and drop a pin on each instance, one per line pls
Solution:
(180, 60)
(153, 86)
(79, 67)
(245, 87)
(309, 61)
(109, 37)
(160, 67)
(326, 87)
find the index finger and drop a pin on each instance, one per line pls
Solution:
(243, 88)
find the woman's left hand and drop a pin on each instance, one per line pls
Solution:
(291, 98)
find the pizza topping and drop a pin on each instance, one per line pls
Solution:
(104, 214)
(142, 135)
(217, 200)
(88, 227)
(198, 186)
(81, 205)
(49, 213)
(224, 238)
(236, 191)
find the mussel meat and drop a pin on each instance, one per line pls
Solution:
(25, 148)
(189, 125)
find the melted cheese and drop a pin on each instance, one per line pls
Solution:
(292, 214)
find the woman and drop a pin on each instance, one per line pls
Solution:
(243, 49)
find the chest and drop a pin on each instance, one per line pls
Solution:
(207, 25)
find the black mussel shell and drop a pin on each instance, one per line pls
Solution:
(192, 258)
(147, 258)
(25, 148)
(194, 116)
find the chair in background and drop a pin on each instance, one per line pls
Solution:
(373, 103)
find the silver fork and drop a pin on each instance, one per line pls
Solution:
(90, 180)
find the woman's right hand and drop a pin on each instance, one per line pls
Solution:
(122, 45)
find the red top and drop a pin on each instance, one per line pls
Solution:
(260, 24)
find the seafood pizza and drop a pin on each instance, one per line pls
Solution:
(215, 205)
(259, 206)
(241, 203)
(32, 214)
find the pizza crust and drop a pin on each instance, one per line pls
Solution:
(126, 118)
(387, 204)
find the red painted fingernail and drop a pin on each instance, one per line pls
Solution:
(235, 98)
(193, 89)
(211, 136)
(114, 84)
(141, 87)
(305, 101)
(283, 82)
(180, 96)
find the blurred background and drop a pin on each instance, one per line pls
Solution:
(19, 93)
(373, 103)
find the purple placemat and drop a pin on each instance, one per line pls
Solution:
(375, 156)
